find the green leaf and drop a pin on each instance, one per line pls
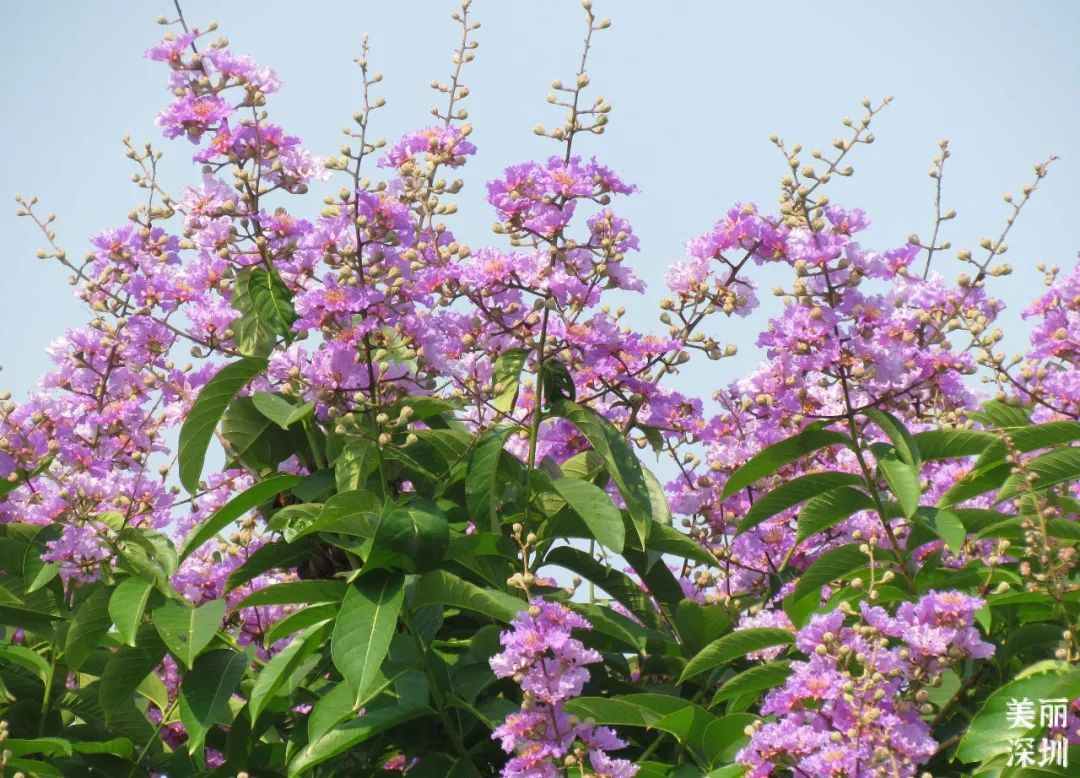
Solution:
(828, 509)
(557, 381)
(995, 413)
(22, 476)
(350, 734)
(281, 411)
(699, 625)
(443, 588)
(24, 657)
(298, 620)
(206, 412)
(117, 746)
(1049, 469)
(945, 524)
(617, 584)
(596, 509)
(791, 493)
(250, 437)
(833, 564)
(365, 624)
(36, 571)
(89, 626)
(251, 497)
(126, 606)
(903, 480)
(950, 444)
(733, 646)
(281, 667)
(205, 692)
(975, 482)
(783, 453)
(989, 733)
(508, 375)
(26, 618)
(661, 512)
(619, 459)
(668, 540)
(756, 679)
(46, 746)
(907, 449)
(186, 630)
(127, 668)
(295, 593)
(413, 538)
(481, 479)
(270, 556)
(1051, 433)
(612, 711)
(266, 310)
(149, 553)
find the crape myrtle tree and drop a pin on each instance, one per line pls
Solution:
(438, 544)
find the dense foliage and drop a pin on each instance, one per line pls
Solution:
(433, 545)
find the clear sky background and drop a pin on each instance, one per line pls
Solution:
(697, 88)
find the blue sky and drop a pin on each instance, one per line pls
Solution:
(697, 88)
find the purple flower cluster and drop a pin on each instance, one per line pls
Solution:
(853, 708)
(858, 329)
(540, 654)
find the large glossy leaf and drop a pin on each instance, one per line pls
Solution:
(596, 509)
(507, 376)
(995, 413)
(903, 480)
(481, 480)
(365, 624)
(952, 443)
(991, 732)
(977, 481)
(668, 540)
(206, 412)
(26, 658)
(282, 412)
(35, 570)
(349, 735)
(791, 493)
(1051, 433)
(619, 459)
(443, 588)
(618, 585)
(945, 525)
(298, 620)
(89, 626)
(413, 537)
(783, 453)
(27, 618)
(295, 593)
(758, 678)
(699, 625)
(270, 556)
(830, 508)
(735, 645)
(1049, 469)
(907, 449)
(251, 497)
(126, 606)
(187, 630)
(127, 668)
(205, 692)
(266, 310)
(281, 667)
(661, 512)
(833, 564)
